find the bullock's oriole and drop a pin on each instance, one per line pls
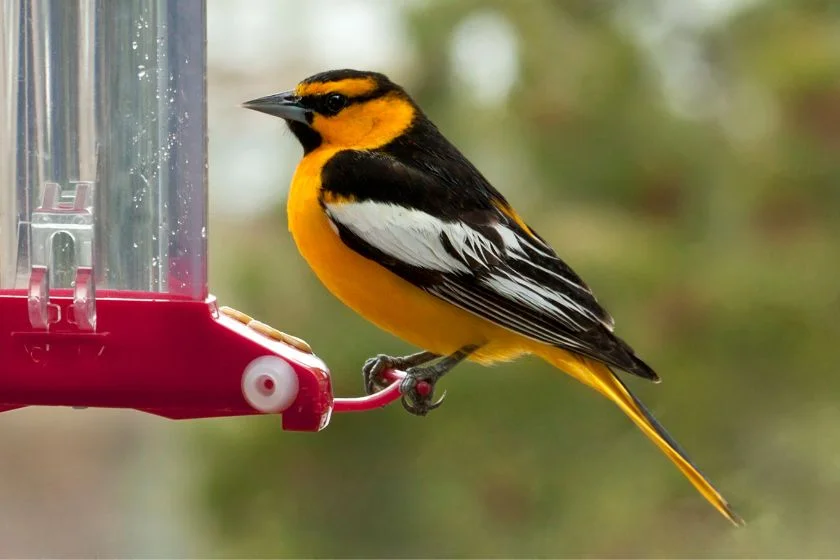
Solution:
(403, 229)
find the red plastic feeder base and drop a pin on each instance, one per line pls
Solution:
(157, 354)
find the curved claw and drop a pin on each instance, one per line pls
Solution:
(411, 407)
(416, 408)
(417, 404)
(369, 379)
(438, 402)
(372, 372)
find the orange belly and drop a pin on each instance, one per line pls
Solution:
(378, 295)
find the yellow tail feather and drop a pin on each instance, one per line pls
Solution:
(600, 378)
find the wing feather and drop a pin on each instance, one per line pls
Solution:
(468, 252)
(489, 274)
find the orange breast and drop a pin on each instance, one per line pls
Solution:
(375, 293)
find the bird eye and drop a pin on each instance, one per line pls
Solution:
(334, 103)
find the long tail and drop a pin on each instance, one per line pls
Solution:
(602, 379)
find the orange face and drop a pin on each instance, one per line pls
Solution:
(354, 113)
(359, 111)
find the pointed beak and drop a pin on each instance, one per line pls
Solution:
(285, 105)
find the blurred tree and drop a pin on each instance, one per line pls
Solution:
(690, 172)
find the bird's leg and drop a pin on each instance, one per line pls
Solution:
(421, 402)
(374, 367)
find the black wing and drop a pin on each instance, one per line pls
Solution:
(471, 251)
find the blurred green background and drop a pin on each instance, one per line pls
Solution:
(682, 156)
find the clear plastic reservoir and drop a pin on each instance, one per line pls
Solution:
(102, 144)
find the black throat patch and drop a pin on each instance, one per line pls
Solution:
(307, 137)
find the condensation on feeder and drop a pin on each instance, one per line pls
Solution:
(105, 166)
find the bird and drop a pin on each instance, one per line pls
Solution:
(402, 228)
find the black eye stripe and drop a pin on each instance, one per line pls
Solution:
(319, 104)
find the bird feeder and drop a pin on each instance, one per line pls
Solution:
(104, 299)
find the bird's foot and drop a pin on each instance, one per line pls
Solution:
(374, 369)
(418, 389)
(418, 386)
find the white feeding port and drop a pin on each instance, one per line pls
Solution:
(269, 384)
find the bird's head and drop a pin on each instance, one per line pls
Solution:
(342, 109)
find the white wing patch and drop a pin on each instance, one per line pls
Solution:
(413, 236)
(421, 240)
(514, 243)
(529, 294)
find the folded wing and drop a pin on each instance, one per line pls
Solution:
(486, 263)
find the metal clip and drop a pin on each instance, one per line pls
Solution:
(62, 254)
(39, 297)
